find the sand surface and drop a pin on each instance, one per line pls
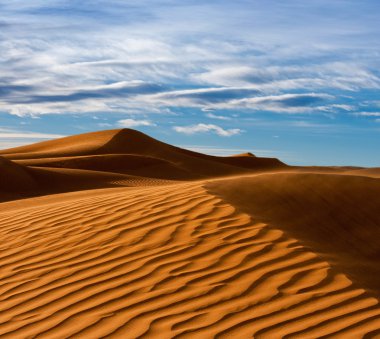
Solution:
(118, 235)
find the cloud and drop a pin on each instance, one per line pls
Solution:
(340, 75)
(292, 100)
(144, 56)
(113, 90)
(284, 103)
(200, 97)
(375, 103)
(367, 114)
(104, 124)
(13, 134)
(343, 107)
(244, 75)
(129, 123)
(204, 128)
(217, 117)
(308, 124)
(8, 90)
(240, 98)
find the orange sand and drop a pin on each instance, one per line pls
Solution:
(114, 234)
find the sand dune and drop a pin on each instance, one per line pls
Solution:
(126, 141)
(120, 255)
(60, 165)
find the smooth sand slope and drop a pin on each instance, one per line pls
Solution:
(267, 252)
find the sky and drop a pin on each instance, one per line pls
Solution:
(297, 80)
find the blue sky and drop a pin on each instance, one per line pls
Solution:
(297, 80)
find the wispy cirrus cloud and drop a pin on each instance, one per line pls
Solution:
(206, 128)
(131, 123)
(217, 117)
(196, 60)
(284, 103)
(348, 76)
(367, 114)
(113, 90)
(200, 97)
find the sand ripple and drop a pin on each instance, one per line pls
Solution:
(166, 262)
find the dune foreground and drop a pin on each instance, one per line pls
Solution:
(115, 234)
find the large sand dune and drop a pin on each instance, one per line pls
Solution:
(152, 241)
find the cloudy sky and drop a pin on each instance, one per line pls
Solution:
(294, 79)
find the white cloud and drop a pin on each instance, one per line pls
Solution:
(284, 103)
(217, 117)
(198, 97)
(104, 124)
(308, 124)
(367, 114)
(12, 134)
(343, 107)
(340, 75)
(231, 76)
(204, 128)
(129, 123)
(119, 43)
(211, 99)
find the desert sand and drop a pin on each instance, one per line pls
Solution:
(115, 234)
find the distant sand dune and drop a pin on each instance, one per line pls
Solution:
(130, 142)
(140, 247)
(100, 159)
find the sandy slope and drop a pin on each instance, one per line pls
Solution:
(280, 255)
(335, 215)
(131, 262)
